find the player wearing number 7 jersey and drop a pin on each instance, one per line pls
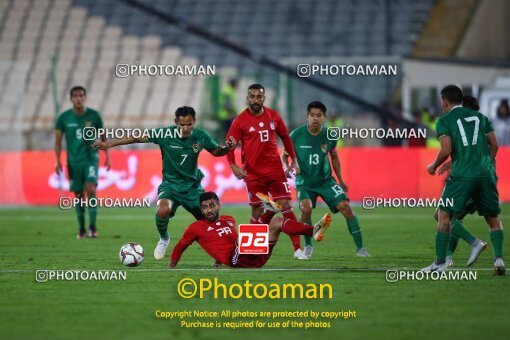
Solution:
(315, 179)
(180, 147)
(464, 135)
(256, 129)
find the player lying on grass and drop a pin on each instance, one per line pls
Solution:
(217, 234)
(315, 179)
(82, 160)
(463, 135)
(458, 230)
(255, 129)
(181, 175)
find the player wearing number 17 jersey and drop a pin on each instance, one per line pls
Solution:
(256, 129)
(315, 178)
(465, 135)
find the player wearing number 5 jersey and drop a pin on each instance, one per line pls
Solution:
(217, 234)
(315, 178)
(465, 135)
(256, 129)
(180, 147)
(82, 160)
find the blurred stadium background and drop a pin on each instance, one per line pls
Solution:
(47, 46)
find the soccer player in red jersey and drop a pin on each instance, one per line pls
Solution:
(256, 129)
(217, 234)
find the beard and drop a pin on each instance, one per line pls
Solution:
(213, 217)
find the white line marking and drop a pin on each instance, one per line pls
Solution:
(238, 270)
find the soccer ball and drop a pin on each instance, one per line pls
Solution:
(131, 254)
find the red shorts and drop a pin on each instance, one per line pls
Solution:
(278, 188)
(250, 260)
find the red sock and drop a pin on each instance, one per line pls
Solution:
(266, 217)
(296, 240)
(295, 228)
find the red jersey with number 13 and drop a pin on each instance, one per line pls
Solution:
(259, 147)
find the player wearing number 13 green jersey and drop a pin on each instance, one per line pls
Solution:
(315, 178)
(180, 147)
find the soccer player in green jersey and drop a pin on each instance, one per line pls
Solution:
(458, 230)
(180, 145)
(82, 160)
(315, 178)
(464, 135)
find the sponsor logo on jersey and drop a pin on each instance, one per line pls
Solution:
(230, 223)
(251, 129)
(210, 228)
(72, 124)
(196, 147)
(253, 239)
(324, 148)
(272, 125)
(305, 146)
(261, 124)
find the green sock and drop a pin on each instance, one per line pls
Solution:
(308, 239)
(92, 209)
(442, 240)
(162, 225)
(497, 242)
(452, 245)
(354, 229)
(80, 214)
(459, 231)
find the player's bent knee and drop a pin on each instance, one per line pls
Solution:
(276, 223)
(494, 222)
(90, 189)
(285, 204)
(345, 208)
(164, 209)
(306, 210)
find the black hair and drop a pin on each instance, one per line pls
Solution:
(208, 195)
(470, 103)
(316, 105)
(452, 94)
(77, 88)
(184, 111)
(256, 87)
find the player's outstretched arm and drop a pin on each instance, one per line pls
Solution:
(104, 145)
(186, 240)
(442, 155)
(230, 145)
(335, 164)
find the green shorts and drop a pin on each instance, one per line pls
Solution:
(188, 197)
(330, 191)
(81, 174)
(462, 196)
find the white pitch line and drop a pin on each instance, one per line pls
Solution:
(238, 270)
(128, 217)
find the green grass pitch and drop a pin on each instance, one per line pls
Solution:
(44, 238)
